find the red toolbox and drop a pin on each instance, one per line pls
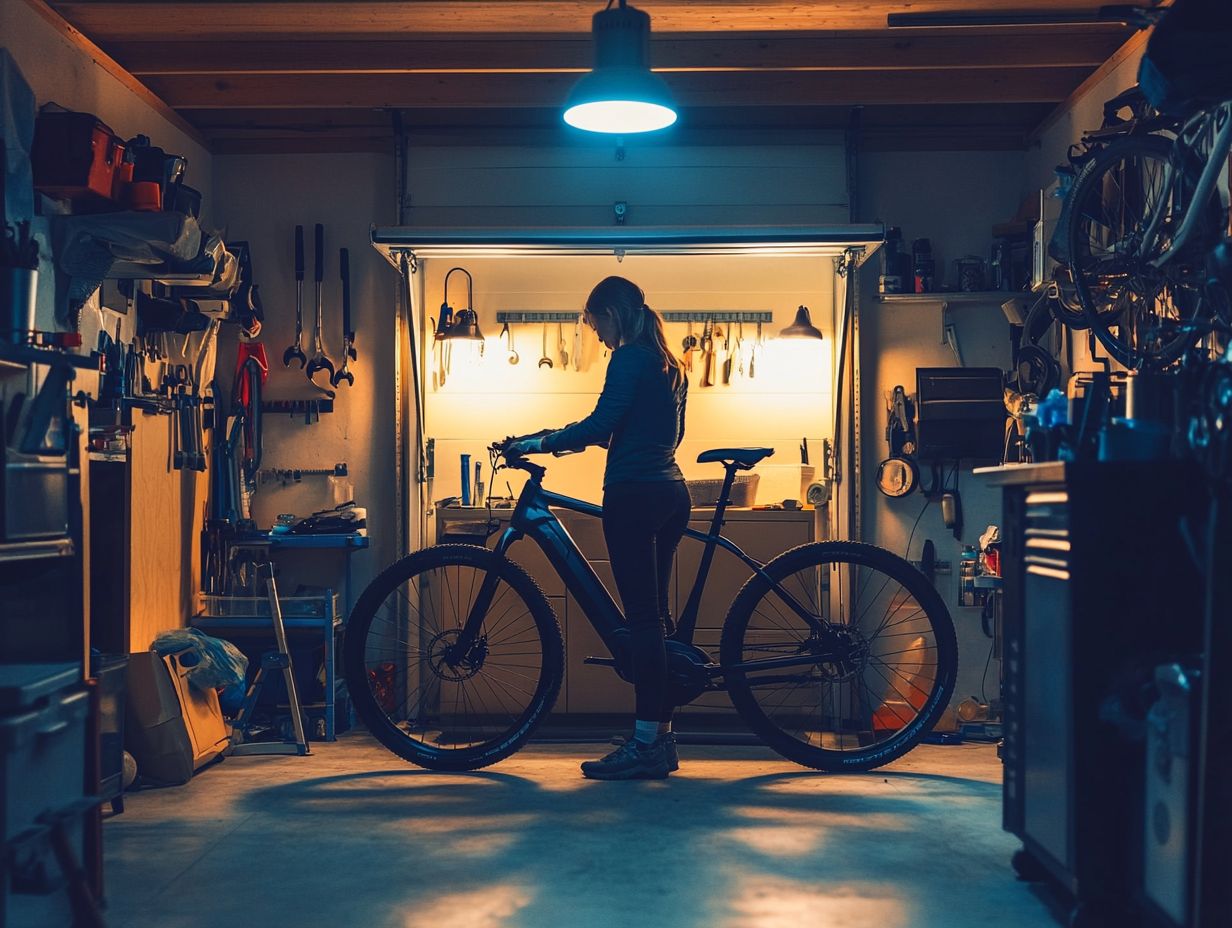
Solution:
(76, 157)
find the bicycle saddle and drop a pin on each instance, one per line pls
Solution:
(744, 457)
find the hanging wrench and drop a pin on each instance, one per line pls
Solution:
(348, 337)
(320, 361)
(295, 352)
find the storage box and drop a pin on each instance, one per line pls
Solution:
(43, 712)
(34, 499)
(784, 481)
(75, 157)
(171, 727)
(960, 414)
(248, 607)
(705, 493)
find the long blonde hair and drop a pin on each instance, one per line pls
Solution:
(624, 301)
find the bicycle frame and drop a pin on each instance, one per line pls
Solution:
(1206, 182)
(533, 518)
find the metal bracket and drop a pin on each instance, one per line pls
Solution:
(520, 315)
(430, 459)
(620, 209)
(711, 315)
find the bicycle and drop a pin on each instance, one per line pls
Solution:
(840, 656)
(1143, 217)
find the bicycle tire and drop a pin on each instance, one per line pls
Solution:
(371, 660)
(741, 637)
(1120, 291)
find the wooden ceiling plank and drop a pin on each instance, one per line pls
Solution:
(199, 19)
(547, 53)
(187, 92)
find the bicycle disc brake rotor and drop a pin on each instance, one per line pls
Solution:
(463, 669)
(849, 653)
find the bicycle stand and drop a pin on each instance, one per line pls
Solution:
(271, 661)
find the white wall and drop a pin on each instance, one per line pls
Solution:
(483, 399)
(576, 184)
(260, 199)
(953, 199)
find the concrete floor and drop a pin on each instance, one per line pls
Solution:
(738, 838)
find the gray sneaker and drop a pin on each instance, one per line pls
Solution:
(668, 740)
(631, 761)
(669, 748)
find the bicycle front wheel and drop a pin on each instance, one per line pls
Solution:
(884, 648)
(427, 698)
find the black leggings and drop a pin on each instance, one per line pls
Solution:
(643, 524)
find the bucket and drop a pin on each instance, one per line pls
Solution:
(18, 286)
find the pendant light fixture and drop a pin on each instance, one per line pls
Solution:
(464, 323)
(621, 95)
(801, 327)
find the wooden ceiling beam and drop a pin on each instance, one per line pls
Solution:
(202, 20)
(719, 88)
(548, 53)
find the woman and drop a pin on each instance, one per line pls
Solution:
(640, 419)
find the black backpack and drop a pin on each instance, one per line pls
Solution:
(1188, 59)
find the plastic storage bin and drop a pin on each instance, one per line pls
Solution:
(706, 492)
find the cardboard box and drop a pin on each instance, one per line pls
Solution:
(784, 481)
(171, 727)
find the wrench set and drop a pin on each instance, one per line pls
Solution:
(320, 361)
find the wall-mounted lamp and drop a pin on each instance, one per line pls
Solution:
(801, 327)
(464, 323)
(621, 95)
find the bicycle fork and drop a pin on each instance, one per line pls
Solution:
(469, 636)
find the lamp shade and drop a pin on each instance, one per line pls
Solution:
(801, 327)
(466, 325)
(621, 95)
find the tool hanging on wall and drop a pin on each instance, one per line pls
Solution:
(348, 336)
(507, 337)
(320, 361)
(898, 475)
(545, 361)
(251, 371)
(689, 345)
(296, 351)
(707, 347)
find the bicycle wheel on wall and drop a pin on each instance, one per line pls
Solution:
(896, 674)
(440, 709)
(1145, 317)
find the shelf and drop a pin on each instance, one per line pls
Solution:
(957, 296)
(350, 540)
(23, 355)
(32, 550)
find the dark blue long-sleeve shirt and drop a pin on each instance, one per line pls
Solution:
(639, 416)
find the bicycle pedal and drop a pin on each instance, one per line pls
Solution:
(601, 661)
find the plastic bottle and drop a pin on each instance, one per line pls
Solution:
(340, 487)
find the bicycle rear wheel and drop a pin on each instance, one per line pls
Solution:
(424, 701)
(867, 706)
(1145, 317)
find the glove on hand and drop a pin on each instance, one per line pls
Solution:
(523, 447)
